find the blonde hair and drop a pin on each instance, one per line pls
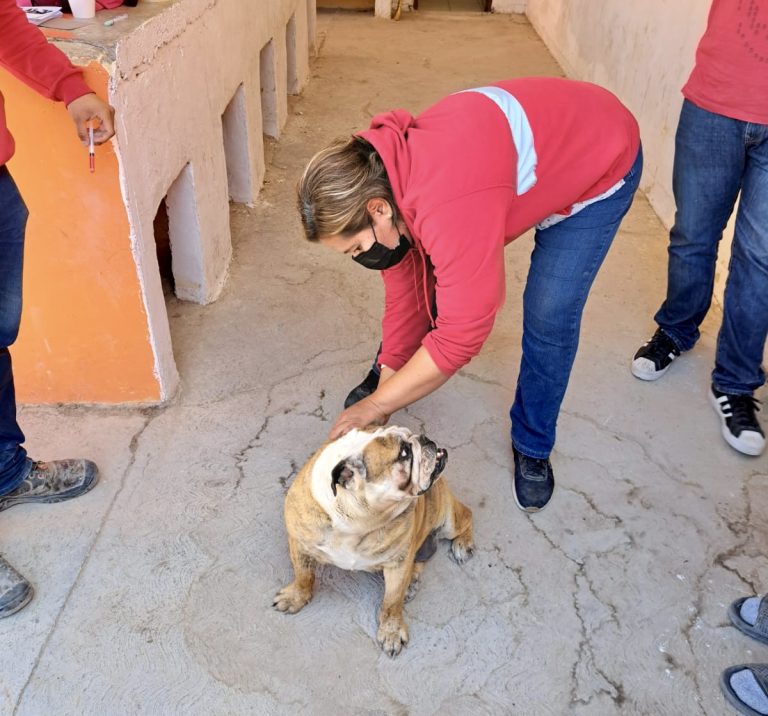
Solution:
(336, 185)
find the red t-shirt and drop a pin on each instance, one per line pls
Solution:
(468, 179)
(25, 53)
(731, 72)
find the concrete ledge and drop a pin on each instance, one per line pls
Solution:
(196, 84)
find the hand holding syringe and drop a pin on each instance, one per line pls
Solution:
(91, 151)
(94, 121)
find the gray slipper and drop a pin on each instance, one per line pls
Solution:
(760, 674)
(758, 630)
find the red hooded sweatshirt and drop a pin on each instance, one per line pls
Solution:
(25, 53)
(469, 175)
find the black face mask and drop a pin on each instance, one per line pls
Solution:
(379, 257)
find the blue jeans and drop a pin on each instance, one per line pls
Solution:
(564, 263)
(14, 463)
(715, 158)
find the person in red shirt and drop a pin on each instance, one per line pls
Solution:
(25, 52)
(432, 201)
(721, 152)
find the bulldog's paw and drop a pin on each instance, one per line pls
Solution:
(392, 636)
(462, 548)
(291, 599)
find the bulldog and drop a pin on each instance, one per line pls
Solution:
(371, 500)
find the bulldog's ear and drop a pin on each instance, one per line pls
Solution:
(344, 473)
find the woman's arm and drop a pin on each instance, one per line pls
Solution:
(26, 53)
(467, 251)
(417, 378)
(406, 317)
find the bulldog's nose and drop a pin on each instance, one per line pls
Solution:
(441, 457)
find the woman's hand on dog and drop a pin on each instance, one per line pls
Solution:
(360, 415)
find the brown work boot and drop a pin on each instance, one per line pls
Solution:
(15, 591)
(53, 481)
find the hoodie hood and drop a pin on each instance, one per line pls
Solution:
(388, 134)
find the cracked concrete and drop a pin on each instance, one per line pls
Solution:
(154, 590)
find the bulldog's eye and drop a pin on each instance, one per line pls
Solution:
(405, 452)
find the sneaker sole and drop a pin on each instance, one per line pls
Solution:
(52, 499)
(644, 374)
(19, 604)
(751, 450)
(531, 510)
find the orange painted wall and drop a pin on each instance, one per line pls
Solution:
(84, 336)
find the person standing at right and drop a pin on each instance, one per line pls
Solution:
(721, 149)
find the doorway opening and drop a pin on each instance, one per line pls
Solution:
(163, 247)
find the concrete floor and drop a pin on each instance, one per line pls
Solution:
(154, 590)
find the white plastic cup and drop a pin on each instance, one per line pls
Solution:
(83, 9)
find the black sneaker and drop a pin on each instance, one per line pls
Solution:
(534, 482)
(738, 415)
(363, 390)
(654, 357)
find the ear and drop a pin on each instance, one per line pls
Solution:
(378, 207)
(344, 473)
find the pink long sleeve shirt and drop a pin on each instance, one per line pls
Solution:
(469, 175)
(25, 53)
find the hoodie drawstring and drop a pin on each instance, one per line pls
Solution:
(424, 284)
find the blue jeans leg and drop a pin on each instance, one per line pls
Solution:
(710, 158)
(14, 463)
(564, 263)
(741, 340)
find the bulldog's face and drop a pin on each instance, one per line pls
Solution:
(388, 465)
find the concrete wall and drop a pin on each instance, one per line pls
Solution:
(509, 6)
(385, 8)
(643, 52)
(215, 78)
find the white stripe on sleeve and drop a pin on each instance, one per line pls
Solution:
(522, 135)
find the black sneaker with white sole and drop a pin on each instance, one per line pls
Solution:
(738, 415)
(534, 482)
(654, 357)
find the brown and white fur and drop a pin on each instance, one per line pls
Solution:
(369, 501)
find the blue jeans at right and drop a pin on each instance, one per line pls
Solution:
(717, 157)
(14, 464)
